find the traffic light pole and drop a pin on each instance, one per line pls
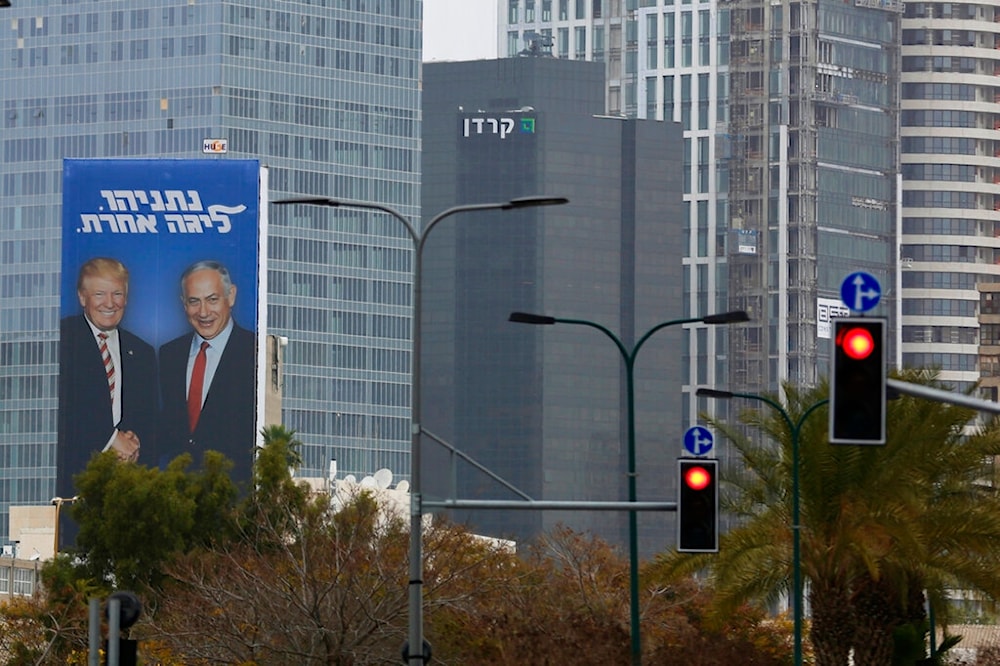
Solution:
(628, 357)
(794, 428)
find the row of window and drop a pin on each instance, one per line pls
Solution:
(959, 254)
(350, 357)
(342, 424)
(941, 37)
(967, 335)
(945, 226)
(562, 7)
(72, 54)
(348, 391)
(989, 334)
(141, 19)
(321, 26)
(922, 199)
(965, 173)
(17, 581)
(938, 63)
(940, 307)
(955, 91)
(318, 56)
(27, 421)
(964, 362)
(326, 113)
(946, 145)
(952, 10)
(989, 302)
(937, 118)
(937, 280)
(26, 388)
(29, 353)
(335, 253)
(390, 192)
(24, 217)
(322, 320)
(339, 288)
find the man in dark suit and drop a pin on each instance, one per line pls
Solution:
(207, 377)
(107, 376)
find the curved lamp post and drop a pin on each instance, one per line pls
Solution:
(418, 236)
(628, 356)
(57, 502)
(794, 428)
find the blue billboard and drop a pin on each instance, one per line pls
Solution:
(161, 311)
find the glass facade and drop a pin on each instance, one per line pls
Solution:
(951, 169)
(668, 60)
(813, 177)
(543, 406)
(325, 93)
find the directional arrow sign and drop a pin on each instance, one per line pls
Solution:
(860, 291)
(698, 441)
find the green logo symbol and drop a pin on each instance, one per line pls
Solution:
(527, 125)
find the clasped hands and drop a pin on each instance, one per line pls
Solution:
(126, 445)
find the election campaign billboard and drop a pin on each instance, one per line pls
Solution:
(162, 311)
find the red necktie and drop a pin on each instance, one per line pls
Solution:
(197, 383)
(109, 365)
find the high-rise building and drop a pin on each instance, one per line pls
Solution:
(544, 407)
(663, 60)
(324, 92)
(951, 200)
(790, 158)
(814, 178)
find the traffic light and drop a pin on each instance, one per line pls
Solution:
(698, 506)
(857, 382)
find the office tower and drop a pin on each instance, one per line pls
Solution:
(544, 407)
(790, 115)
(813, 188)
(326, 94)
(950, 220)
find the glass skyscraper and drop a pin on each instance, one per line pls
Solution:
(323, 92)
(790, 159)
(664, 60)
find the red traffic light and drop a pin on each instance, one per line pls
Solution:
(697, 478)
(857, 342)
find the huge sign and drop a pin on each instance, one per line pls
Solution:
(162, 310)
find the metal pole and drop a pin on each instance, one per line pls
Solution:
(633, 520)
(415, 655)
(794, 429)
(114, 630)
(94, 631)
(629, 357)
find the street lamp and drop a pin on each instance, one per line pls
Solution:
(794, 429)
(416, 622)
(628, 356)
(57, 502)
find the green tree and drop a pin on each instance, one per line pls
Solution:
(880, 524)
(133, 519)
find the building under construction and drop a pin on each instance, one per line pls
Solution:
(814, 177)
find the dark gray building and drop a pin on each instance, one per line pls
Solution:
(545, 407)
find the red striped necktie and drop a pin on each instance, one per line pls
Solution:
(109, 364)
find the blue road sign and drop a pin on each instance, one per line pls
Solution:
(698, 441)
(860, 291)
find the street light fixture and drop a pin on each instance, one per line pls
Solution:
(794, 428)
(628, 356)
(415, 640)
(57, 502)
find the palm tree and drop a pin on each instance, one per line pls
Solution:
(880, 524)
